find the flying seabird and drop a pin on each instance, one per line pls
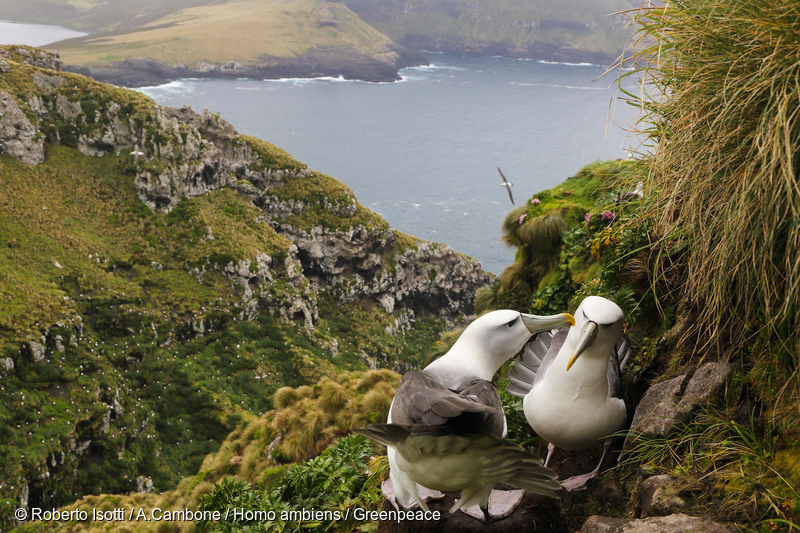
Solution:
(636, 194)
(136, 153)
(571, 383)
(446, 428)
(507, 184)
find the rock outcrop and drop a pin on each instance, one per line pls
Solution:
(675, 523)
(671, 402)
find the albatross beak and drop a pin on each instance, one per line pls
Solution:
(537, 324)
(588, 335)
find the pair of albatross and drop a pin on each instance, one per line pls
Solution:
(446, 428)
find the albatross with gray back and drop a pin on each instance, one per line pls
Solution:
(447, 429)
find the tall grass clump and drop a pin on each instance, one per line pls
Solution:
(721, 99)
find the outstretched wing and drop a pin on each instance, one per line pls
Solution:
(497, 460)
(537, 357)
(502, 175)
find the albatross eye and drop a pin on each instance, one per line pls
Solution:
(512, 322)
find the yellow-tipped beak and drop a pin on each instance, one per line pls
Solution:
(588, 335)
(537, 324)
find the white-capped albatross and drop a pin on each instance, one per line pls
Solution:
(446, 424)
(570, 381)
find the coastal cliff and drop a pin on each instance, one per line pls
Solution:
(152, 302)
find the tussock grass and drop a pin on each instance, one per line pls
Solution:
(721, 104)
(314, 416)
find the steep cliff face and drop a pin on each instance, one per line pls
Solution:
(149, 302)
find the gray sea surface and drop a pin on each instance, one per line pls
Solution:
(424, 152)
(33, 34)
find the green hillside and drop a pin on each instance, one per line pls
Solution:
(148, 307)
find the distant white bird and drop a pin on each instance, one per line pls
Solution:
(636, 194)
(571, 382)
(136, 153)
(446, 427)
(507, 184)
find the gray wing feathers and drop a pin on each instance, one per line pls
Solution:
(503, 461)
(617, 363)
(623, 351)
(386, 434)
(537, 357)
(513, 465)
(420, 398)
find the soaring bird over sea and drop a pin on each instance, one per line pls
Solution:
(446, 427)
(571, 382)
(507, 184)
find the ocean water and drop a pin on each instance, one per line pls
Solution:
(33, 34)
(424, 152)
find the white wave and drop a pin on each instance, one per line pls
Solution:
(543, 62)
(176, 86)
(248, 88)
(559, 86)
(434, 66)
(303, 81)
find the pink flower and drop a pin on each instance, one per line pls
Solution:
(607, 216)
(536, 201)
(587, 218)
(522, 219)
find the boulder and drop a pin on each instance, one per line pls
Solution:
(675, 523)
(659, 496)
(669, 403)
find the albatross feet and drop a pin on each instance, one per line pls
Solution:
(578, 482)
(425, 495)
(501, 504)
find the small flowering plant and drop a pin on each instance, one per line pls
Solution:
(596, 221)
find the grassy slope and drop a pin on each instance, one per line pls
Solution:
(487, 21)
(81, 258)
(217, 32)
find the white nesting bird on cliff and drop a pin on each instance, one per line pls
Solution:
(446, 428)
(570, 381)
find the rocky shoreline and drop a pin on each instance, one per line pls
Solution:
(347, 63)
(350, 64)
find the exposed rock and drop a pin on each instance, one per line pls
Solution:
(657, 413)
(676, 523)
(706, 383)
(37, 57)
(144, 484)
(18, 137)
(669, 403)
(658, 496)
(47, 84)
(4, 67)
(37, 351)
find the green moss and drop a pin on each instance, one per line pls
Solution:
(270, 157)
